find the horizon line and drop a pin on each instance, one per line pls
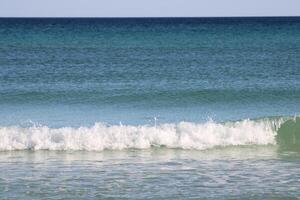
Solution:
(137, 17)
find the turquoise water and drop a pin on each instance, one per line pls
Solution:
(79, 71)
(199, 104)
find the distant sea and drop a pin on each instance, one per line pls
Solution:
(150, 108)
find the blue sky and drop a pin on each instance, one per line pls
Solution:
(147, 8)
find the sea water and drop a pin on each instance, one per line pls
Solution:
(149, 108)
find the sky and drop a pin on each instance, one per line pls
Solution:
(148, 8)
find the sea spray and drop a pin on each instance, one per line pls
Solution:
(184, 135)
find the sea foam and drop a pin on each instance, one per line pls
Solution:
(184, 135)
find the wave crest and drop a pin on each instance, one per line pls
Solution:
(99, 137)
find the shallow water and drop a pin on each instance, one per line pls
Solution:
(241, 172)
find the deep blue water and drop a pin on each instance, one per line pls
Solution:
(75, 72)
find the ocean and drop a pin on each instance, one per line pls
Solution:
(150, 108)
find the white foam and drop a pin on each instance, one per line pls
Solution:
(183, 135)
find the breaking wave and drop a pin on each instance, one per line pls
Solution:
(183, 135)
